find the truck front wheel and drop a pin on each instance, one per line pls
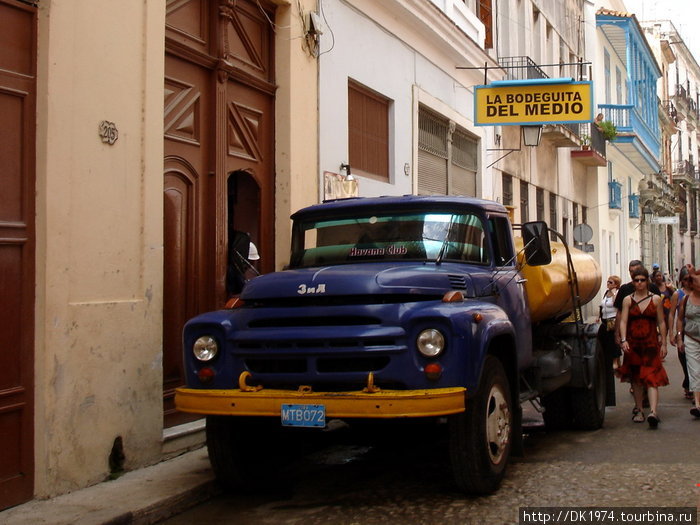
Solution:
(245, 453)
(481, 437)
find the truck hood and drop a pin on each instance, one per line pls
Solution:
(364, 279)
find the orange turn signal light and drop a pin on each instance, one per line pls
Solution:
(453, 296)
(234, 302)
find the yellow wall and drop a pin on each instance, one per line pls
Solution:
(99, 292)
(296, 131)
(99, 239)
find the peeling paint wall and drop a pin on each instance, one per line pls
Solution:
(99, 239)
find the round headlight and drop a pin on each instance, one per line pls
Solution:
(205, 348)
(430, 342)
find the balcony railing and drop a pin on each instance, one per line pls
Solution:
(671, 111)
(634, 206)
(521, 68)
(684, 170)
(614, 195)
(680, 91)
(628, 119)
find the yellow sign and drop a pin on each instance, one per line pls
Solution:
(533, 103)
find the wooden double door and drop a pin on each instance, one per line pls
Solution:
(17, 248)
(219, 158)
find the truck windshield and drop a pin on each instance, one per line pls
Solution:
(391, 237)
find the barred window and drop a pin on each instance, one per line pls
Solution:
(524, 202)
(448, 157)
(507, 189)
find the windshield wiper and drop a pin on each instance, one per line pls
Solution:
(446, 241)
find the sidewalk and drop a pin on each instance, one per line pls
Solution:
(140, 497)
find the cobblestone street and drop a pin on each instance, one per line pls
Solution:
(624, 464)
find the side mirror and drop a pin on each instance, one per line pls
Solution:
(536, 239)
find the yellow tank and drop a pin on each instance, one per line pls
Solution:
(547, 286)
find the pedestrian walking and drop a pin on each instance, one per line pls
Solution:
(627, 289)
(665, 290)
(688, 338)
(684, 287)
(606, 336)
(641, 321)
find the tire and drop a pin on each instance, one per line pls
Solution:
(481, 438)
(557, 410)
(246, 453)
(588, 404)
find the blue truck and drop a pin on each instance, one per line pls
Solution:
(423, 308)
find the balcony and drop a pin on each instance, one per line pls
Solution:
(614, 195)
(684, 172)
(692, 121)
(521, 68)
(634, 206)
(594, 154)
(668, 116)
(680, 98)
(562, 135)
(636, 138)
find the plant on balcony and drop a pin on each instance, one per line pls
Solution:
(585, 142)
(608, 129)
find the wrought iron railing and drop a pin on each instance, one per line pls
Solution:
(521, 67)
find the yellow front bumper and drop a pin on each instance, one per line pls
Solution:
(382, 404)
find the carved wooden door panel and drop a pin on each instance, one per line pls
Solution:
(17, 246)
(187, 166)
(219, 151)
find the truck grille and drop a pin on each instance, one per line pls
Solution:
(346, 320)
(322, 365)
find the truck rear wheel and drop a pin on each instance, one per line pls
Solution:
(557, 411)
(588, 404)
(245, 453)
(481, 437)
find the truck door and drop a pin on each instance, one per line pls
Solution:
(509, 290)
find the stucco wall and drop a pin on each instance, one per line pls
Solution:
(379, 45)
(296, 121)
(99, 239)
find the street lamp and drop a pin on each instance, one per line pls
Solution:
(648, 214)
(532, 135)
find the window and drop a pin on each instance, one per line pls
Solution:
(390, 236)
(507, 189)
(485, 14)
(368, 132)
(524, 203)
(553, 213)
(540, 204)
(499, 231)
(618, 86)
(606, 66)
(448, 157)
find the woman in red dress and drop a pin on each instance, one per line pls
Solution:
(642, 322)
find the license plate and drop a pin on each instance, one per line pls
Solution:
(303, 415)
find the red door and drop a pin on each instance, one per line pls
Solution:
(17, 136)
(219, 144)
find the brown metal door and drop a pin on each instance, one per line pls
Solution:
(219, 111)
(17, 241)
